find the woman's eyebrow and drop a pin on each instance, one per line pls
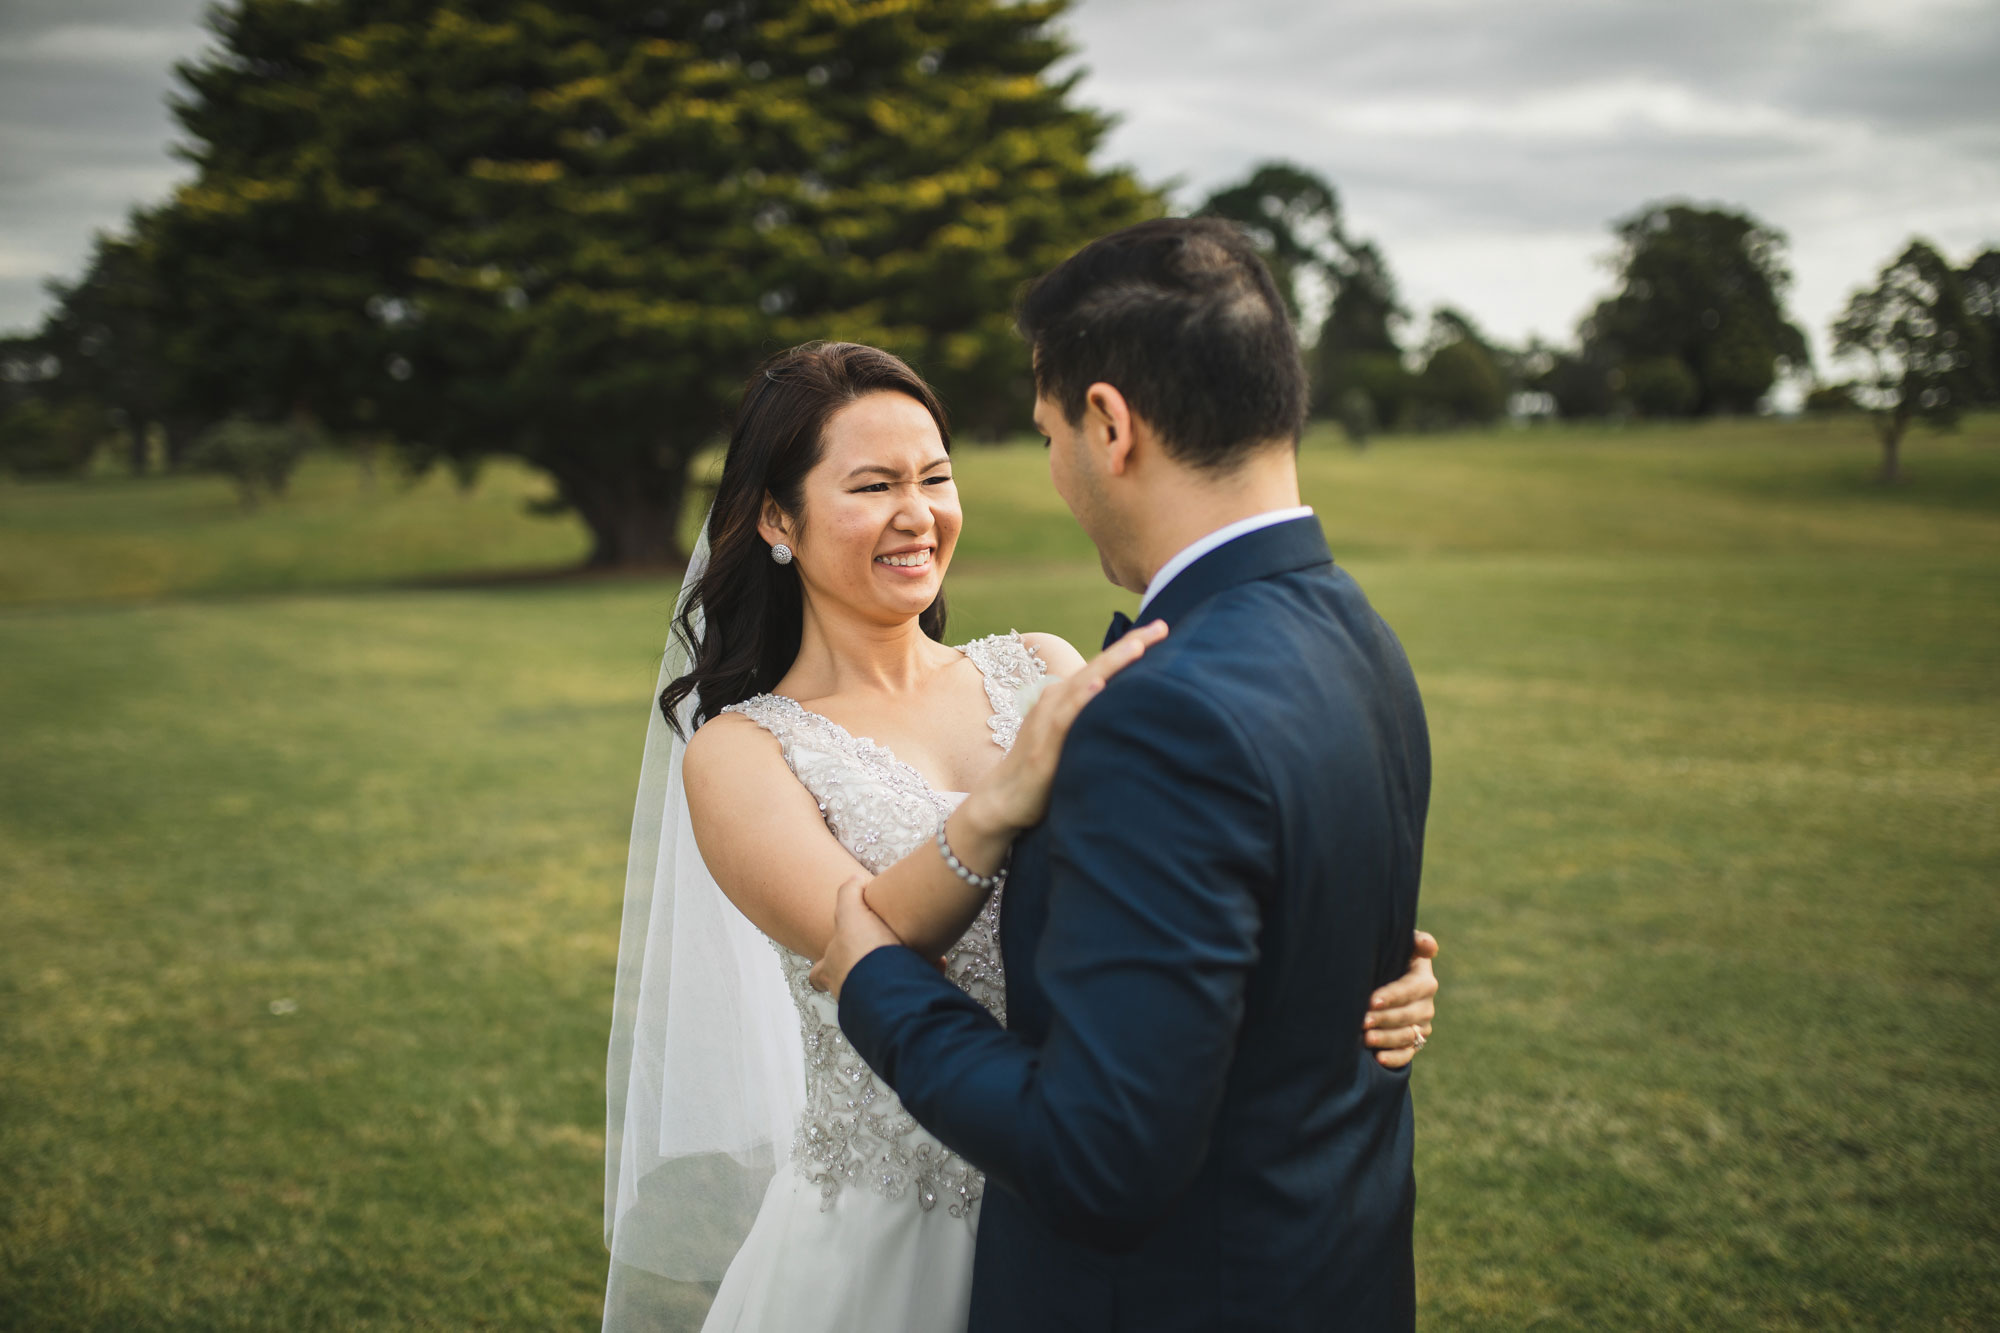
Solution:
(881, 470)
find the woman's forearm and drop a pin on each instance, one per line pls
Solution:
(922, 899)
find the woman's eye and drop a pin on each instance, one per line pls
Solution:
(937, 481)
(877, 486)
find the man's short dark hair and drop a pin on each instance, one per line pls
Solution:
(1180, 315)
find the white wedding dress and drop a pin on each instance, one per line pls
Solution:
(871, 1225)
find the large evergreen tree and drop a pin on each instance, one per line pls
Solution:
(1703, 287)
(566, 232)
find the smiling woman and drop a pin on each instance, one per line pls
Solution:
(815, 627)
(797, 407)
(882, 501)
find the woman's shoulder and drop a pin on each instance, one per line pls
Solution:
(735, 735)
(1056, 652)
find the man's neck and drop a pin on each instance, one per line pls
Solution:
(1185, 506)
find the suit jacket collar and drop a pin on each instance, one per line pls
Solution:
(1278, 549)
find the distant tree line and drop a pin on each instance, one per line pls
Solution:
(1697, 326)
(478, 228)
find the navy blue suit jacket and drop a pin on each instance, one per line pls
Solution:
(1180, 1125)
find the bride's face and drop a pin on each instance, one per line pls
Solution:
(881, 511)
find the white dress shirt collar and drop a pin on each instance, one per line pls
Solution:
(1220, 537)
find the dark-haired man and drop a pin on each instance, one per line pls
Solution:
(1182, 1135)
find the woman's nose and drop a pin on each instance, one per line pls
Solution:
(914, 514)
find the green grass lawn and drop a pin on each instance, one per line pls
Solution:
(310, 873)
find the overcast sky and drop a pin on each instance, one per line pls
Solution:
(1485, 146)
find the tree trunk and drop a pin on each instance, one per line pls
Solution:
(180, 442)
(140, 433)
(1892, 448)
(633, 517)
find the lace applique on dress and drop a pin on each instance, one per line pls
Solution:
(854, 1130)
(1014, 673)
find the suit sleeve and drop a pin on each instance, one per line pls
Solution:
(1161, 833)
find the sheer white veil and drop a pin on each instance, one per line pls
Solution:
(705, 1077)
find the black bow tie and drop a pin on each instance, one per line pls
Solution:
(1121, 625)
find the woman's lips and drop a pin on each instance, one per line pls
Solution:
(908, 563)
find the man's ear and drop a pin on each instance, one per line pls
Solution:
(1107, 421)
(774, 525)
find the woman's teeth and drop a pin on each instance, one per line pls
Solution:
(909, 561)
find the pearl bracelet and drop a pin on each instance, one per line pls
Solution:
(984, 883)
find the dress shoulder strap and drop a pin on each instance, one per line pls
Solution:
(816, 748)
(769, 712)
(1012, 670)
(792, 723)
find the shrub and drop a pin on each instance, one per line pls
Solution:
(258, 456)
(43, 439)
(1580, 385)
(1380, 378)
(1356, 415)
(1462, 385)
(1827, 399)
(1661, 386)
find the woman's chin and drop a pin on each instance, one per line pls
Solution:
(908, 596)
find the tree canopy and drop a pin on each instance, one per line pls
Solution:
(104, 335)
(1704, 287)
(1924, 352)
(1294, 217)
(565, 232)
(1979, 281)
(1464, 380)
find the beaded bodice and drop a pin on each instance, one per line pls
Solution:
(853, 1129)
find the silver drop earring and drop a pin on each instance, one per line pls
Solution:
(781, 554)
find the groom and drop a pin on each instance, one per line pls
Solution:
(1179, 1131)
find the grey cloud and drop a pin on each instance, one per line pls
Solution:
(95, 46)
(1947, 83)
(26, 17)
(84, 129)
(1459, 129)
(1796, 53)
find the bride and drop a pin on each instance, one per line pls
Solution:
(828, 732)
